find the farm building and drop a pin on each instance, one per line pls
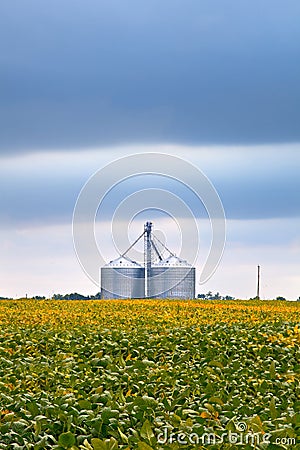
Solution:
(157, 277)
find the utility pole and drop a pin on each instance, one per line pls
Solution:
(258, 283)
(147, 256)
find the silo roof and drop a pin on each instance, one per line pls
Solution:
(173, 261)
(122, 261)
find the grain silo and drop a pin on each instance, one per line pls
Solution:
(122, 278)
(172, 277)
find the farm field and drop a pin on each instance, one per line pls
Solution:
(149, 374)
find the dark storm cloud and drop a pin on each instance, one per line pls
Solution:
(76, 73)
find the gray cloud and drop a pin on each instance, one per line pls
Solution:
(253, 184)
(100, 73)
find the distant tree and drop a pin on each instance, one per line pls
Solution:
(38, 297)
(74, 296)
(208, 296)
(216, 296)
(280, 298)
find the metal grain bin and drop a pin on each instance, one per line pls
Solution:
(172, 277)
(122, 278)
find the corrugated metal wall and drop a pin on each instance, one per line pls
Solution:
(124, 282)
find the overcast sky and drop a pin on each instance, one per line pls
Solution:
(85, 82)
